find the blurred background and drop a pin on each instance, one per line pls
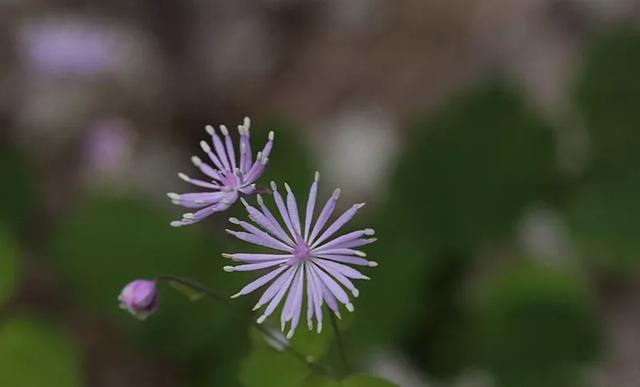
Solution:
(496, 143)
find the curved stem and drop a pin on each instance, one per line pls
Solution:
(340, 344)
(209, 293)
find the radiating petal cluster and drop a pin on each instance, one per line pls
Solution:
(309, 257)
(227, 176)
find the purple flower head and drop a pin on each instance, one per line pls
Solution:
(140, 298)
(309, 256)
(228, 177)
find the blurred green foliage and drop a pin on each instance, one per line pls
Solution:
(605, 221)
(603, 210)
(290, 160)
(9, 265)
(17, 196)
(35, 353)
(468, 172)
(110, 240)
(267, 366)
(471, 167)
(357, 380)
(535, 327)
(363, 380)
(607, 94)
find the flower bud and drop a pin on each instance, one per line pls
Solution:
(140, 298)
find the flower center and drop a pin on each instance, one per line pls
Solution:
(300, 252)
(229, 180)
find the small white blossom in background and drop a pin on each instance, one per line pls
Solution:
(359, 151)
(544, 236)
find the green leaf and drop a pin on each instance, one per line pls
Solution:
(310, 343)
(268, 367)
(275, 363)
(9, 266)
(304, 341)
(535, 326)
(190, 292)
(362, 380)
(356, 380)
(321, 381)
(33, 354)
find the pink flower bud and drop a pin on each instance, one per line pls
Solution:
(140, 298)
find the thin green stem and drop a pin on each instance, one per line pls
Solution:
(209, 293)
(340, 344)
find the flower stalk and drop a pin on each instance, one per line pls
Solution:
(340, 345)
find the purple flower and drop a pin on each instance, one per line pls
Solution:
(228, 178)
(309, 256)
(108, 147)
(71, 47)
(140, 298)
